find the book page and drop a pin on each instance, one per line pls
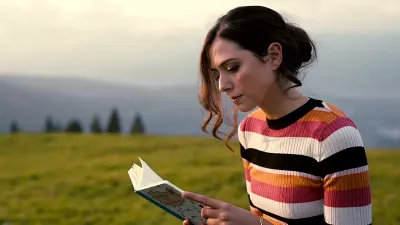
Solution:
(136, 175)
(148, 175)
(170, 199)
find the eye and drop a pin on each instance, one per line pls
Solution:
(215, 74)
(233, 69)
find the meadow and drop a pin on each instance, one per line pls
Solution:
(71, 179)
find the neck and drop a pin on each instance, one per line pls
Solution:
(283, 103)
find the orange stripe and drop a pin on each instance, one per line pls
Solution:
(283, 180)
(347, 182)
(273, 220)
(246, 163)
(255, 211)
(336, 110)
(258, 114)
(319, 116)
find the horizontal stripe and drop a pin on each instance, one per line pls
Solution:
(342, 138)
(247, 174)
(242, 141)
(344, 160)
(286, 194)
(287, 162)
(348, 198)
(283, 145)
(248, 186)
(290, 213)
(351, 181)
(255, 211)
(284, 172)
(334, 109)
(273, 221)
(347, 172)
(299, 129)
(319, 115)
(258, 114)
(338, 123)
(349, 216)
(282, 180)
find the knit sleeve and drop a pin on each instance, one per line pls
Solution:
(344, 170)
(242, 144)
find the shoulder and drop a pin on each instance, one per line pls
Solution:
(339, 133)
(251, 122)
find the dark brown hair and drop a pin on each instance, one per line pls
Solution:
(253, 28)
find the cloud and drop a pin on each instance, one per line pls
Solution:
(158, 42)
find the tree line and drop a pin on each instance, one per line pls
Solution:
(75, 126)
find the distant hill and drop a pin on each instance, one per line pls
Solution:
(168, 110)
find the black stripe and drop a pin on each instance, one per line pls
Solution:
(278, 161)
(292, 117)
(346, 159)
(315, 220)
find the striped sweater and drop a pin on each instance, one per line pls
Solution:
(308, 167)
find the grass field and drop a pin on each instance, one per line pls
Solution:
(82, 179)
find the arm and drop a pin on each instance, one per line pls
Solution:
(266, 219)
(344, 168)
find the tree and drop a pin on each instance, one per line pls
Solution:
(49, 125)
(74, 126)
(114, 122)
(138, 125)
(95, 126)
(14, 127)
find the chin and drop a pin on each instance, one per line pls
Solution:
(245, 107)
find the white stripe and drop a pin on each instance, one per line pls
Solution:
(248, 187)
(241, 138)
(341, 139)
(347, 172)
(321, 109)
(288, 210)
(349, 216)
(345, 137)
(282, 145)
(326, 106)
(284, 172)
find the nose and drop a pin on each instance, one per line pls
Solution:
(224, 83)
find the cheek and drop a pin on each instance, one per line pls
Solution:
(253, 81)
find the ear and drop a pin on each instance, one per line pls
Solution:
(274, 55)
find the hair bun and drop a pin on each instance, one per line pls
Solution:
(303, 45)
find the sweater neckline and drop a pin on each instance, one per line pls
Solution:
(295, 115)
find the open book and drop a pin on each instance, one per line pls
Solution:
(165, 195)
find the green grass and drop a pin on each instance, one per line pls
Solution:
(82, 179)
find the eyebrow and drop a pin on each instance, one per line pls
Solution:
(226, 61)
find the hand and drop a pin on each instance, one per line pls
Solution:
(218, 212)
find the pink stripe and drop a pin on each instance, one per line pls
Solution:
(298, 129)
(338, 123)
(348, 198)
(286, 194)
(311, 129)
(247, 174)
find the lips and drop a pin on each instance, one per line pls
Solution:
(234, 98)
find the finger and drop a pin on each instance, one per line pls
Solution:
(186, 222)
(213, 203)
(208, 212)
(212, 222)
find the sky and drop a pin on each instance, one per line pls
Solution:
(158, 42)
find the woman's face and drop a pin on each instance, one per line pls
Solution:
(246, 79)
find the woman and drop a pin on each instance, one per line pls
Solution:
(304, 160)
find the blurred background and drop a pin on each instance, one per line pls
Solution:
(87, 86)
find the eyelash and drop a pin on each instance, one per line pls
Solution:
(231, 70)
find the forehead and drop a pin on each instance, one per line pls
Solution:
(221, 50)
